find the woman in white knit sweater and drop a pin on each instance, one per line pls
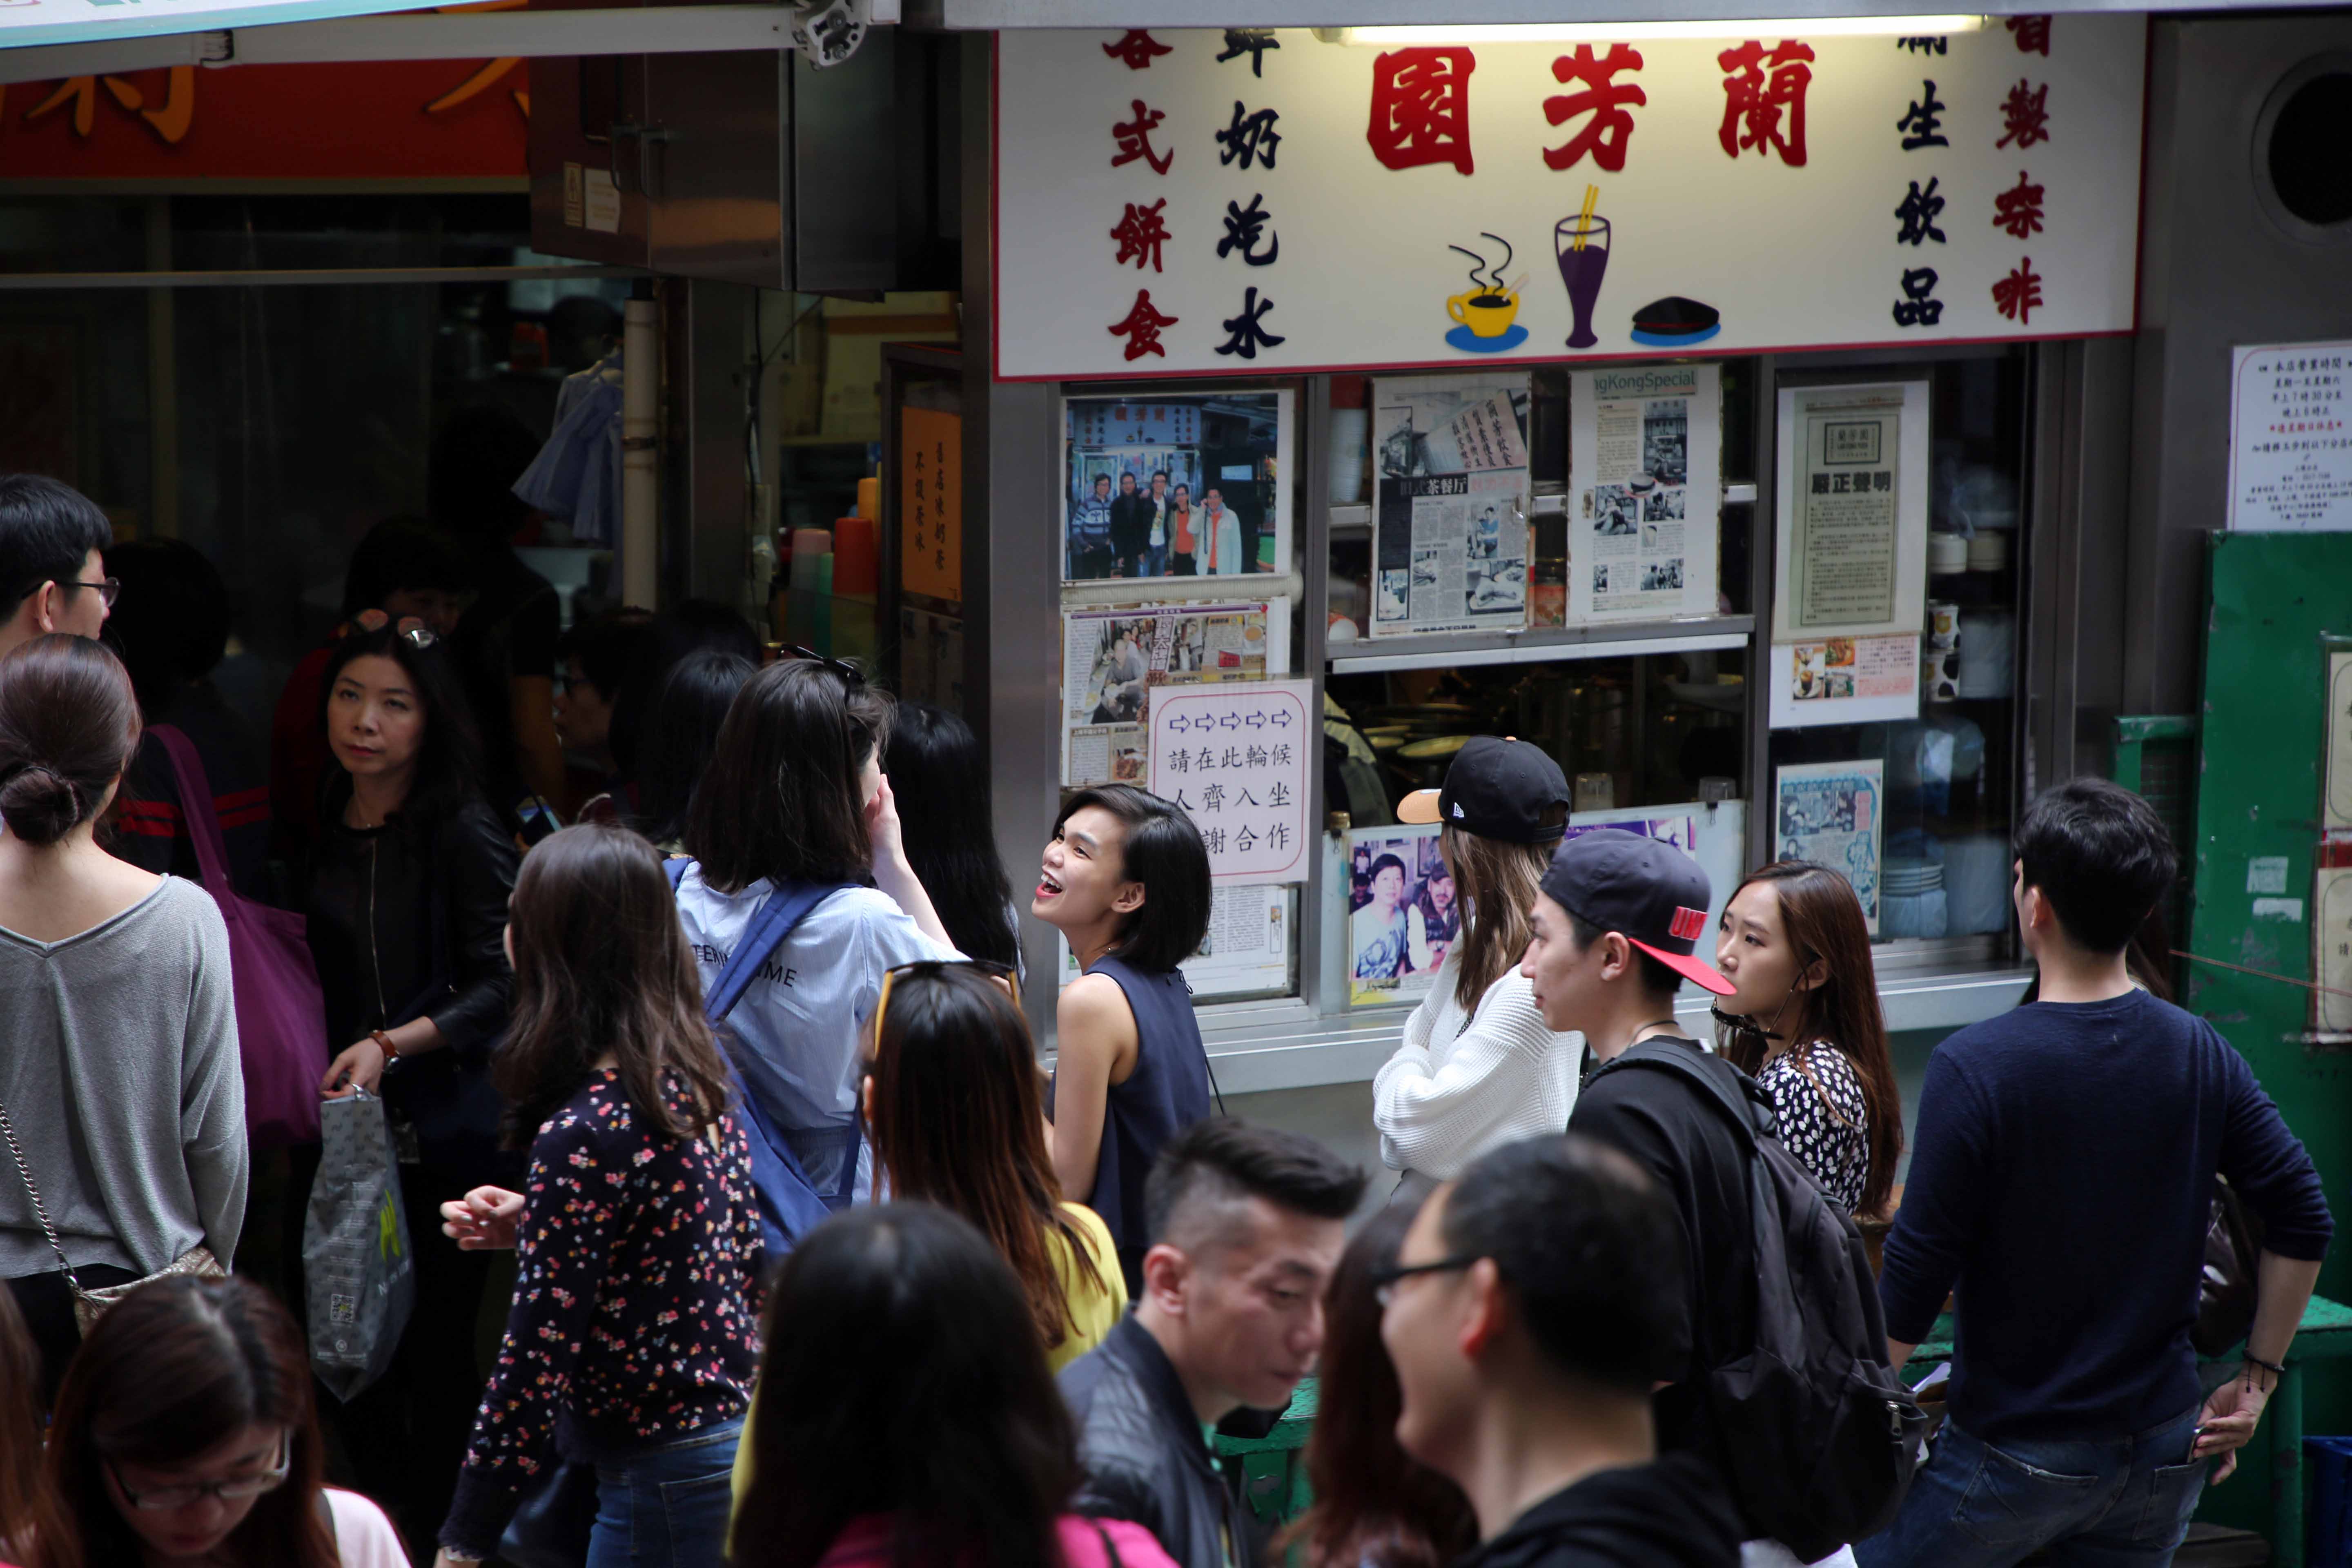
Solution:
(1478, 1067)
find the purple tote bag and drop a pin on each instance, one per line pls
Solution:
(281, 1017)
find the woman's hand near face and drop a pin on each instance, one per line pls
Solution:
(484, 1220)
(882, 826)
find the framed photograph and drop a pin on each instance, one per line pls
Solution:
(1403, 912)
(1172, 485)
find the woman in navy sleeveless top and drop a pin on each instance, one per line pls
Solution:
(1126, 879)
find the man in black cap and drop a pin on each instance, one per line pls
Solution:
(1616, 931)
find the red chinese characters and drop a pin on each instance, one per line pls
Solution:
(2033, 34)
(2019, 208)
(1134, 138)
(1421, 108)
(2016, 295)
(1142, 327)
(1764, 99)
(1604, 135)
(1140, 234)
(1137, 51)
(2025, 115)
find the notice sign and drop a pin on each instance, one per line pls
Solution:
(1235, 759)
(1852, 550)
(1209, 201)
(930, 503)
(2290, 436)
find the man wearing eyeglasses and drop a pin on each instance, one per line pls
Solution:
(1522, 1315)
(52, 566)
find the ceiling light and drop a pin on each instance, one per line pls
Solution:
(1603, 32)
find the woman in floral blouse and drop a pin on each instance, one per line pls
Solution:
(634, 1334)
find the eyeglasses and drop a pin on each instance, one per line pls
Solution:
(108, 588)
(1004, 973)
(1384, 1280)
(164, 1499)
(851, 676)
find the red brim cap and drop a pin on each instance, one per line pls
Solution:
(1690, 968)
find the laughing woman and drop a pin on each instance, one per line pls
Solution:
(1126, 879)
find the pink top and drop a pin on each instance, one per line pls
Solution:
(865, 1543)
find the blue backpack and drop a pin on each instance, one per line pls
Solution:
(790, 1204)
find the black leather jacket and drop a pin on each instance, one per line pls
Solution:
(1144, 1456)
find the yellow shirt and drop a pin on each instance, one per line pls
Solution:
(1095, 1310)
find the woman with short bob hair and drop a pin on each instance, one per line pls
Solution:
(186, 1433)
(795, 796)
(1126, 881)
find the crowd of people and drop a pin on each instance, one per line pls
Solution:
(716, 1109)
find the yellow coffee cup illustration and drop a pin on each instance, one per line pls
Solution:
(1487, 313)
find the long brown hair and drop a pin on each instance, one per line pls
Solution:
(1374, 1503)
(177, 1368)
(600, 964)
(1823, 921)
(28, 1507)
(1495, 887)
(956, 1120)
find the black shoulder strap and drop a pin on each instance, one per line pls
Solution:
(1683, 1061)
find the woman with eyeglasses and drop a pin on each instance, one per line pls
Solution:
(406, 898)
(632, 1337)
(1126, 881)
(794, 799)
(185, 1435)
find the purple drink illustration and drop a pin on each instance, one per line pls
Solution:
(1582, 246)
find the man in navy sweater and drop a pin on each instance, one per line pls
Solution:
(2061, 1176)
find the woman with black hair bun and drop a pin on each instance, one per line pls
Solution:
(407, 908)
(1126, 881)
(934, 764)
(675, 739)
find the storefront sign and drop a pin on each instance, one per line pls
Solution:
(1198, 201)
(930, 503)
(1234, 758)
(1643, 514)
(2290, 436)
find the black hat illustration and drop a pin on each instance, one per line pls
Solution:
(1675, 323)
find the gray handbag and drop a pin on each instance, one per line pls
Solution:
(91, 1305)
(359, 1269)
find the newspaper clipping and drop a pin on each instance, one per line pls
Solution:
(1644, 535)
(1450, 546)
(1829, 813)
(1113, 660)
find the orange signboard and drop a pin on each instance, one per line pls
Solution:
(930, 503)
(380, 119)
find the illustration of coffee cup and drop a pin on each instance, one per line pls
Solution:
(1487, 313)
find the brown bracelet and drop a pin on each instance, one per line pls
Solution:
(383, 1041)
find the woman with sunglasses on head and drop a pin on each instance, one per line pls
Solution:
(953, 1102)
(1804, 1020)
(794, 798)
(1126, 881)
(185, 1435)
(407, 899)
(907, 1419)
(632, 1337)
(1478, 1067)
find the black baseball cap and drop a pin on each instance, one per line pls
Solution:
(1498, 787)
(1651, 894)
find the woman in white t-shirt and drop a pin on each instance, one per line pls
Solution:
(1478, 1067)
(795, 795)
(185, 1433)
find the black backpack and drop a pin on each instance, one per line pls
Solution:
(1816, 1433)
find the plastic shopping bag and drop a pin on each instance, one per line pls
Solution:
(355, 1247)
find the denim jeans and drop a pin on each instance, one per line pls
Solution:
(1155, 561)
(666, 1506)
(2121, 1503)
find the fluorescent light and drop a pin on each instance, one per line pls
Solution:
(1601, 32)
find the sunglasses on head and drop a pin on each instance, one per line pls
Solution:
(1002, 973)
(851, 676)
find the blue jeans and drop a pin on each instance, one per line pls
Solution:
(1155, 561)
(2121, 1503)
(666, 1506)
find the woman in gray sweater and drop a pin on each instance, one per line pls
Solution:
(122, 1080)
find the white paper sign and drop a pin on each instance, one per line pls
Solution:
(1234, 758)
(1167, 203)
(2290, 436)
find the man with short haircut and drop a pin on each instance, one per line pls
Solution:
(1616, 931)
(2061, 1185)
(1246, 1225)
(1520, 1315)
(1131, 525)
(52, 566)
